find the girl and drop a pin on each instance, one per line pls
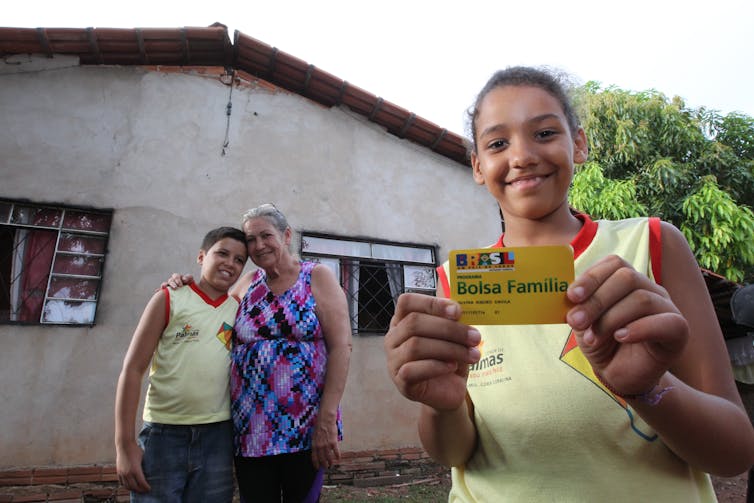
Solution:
(632, 398)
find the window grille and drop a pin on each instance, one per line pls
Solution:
(373, 275)
(51, 262)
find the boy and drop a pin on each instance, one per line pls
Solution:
(185, 448)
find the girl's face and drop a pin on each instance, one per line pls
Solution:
(267, 246)
(525, 151)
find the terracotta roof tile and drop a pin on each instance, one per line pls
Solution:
(211, 46)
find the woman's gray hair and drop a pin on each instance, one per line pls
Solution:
(269, 211)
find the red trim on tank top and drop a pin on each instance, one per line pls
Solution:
(214, 303)
(585, 236)
(443, 277)
(580, 241)
(655, 248)
(167, 307)
(583, 239)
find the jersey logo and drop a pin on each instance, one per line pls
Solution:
(574, 358)
(187, 333)
(489, 369)
(225, 334)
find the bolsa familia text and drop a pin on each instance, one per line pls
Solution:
(547, 285)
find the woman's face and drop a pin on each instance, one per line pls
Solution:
(526, 151)
(267, 246)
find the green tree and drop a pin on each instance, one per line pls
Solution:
(650, 155)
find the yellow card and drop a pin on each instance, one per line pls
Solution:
(512, 286)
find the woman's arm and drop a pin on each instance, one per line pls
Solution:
(238, 290)
(142, 347)
(332, 312)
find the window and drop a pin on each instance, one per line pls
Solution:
(51, 262)
(373, 275)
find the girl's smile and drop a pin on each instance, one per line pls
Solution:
(527, 181)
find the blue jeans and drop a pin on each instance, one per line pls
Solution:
(187, 463)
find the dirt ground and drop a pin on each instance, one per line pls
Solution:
(431, 490)
(732, 490)
(728, 490)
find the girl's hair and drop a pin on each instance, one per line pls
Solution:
(554, 83)
(269, 211)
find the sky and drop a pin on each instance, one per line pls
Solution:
(432, 57)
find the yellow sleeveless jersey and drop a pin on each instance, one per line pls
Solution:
(547, 429)
(189, 376)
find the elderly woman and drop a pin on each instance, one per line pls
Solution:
(290, 355)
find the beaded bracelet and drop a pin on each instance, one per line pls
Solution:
(650, 397)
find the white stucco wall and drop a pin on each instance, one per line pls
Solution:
(148, 144)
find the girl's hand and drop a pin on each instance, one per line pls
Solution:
(626, 325)
(428, 351)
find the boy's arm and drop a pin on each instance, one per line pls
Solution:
(142, 347)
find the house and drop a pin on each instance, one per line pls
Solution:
(121, 147)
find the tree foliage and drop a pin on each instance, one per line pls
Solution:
(650, 155)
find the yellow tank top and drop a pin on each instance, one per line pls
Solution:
(189, 377)
(548, 431)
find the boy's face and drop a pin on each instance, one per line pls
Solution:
(222, 263)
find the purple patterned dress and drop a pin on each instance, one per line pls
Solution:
(278, 363)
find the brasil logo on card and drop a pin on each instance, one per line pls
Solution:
(512, 286)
